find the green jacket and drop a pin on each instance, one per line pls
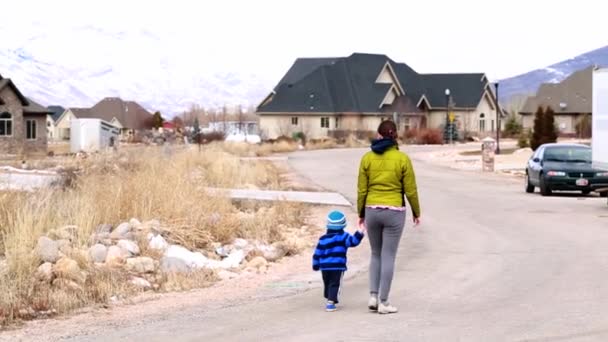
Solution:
(384, 179)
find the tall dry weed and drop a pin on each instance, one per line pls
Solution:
(146, 183)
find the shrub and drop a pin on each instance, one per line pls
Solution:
(523, 140)
(583, 127)
(206, 138)
(429, 136)
(513, 128)
(410, 134)
(299, 136)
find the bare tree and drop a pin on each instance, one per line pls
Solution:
(240, 118)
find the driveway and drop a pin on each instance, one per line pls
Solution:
(489, 263)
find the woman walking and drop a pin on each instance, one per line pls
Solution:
(386, 176)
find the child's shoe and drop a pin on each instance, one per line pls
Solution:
(386, 308)
(330, 306)
(372, 304)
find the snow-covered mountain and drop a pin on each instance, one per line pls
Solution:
(76, 67)
(528, 83)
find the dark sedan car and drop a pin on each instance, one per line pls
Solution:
(564, 167)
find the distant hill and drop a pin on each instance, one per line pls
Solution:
(135, 66)
(526, 84)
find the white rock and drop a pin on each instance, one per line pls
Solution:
(233, 260)
(173, 265)
(140, 265)
(102, 238)
(221, 251)
(45, 272)
(98, 253)
(129, 247)
(269, 252)
(67, 268)
(115, 255)
(257, 262)
(240, 243)
(141, 283)
(65, 246)
(193, 260)
(121, 231)
(47, 249)
(158, 242)
(134, 223)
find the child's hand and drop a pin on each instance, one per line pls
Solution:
(362, 226)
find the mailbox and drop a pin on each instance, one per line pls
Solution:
(488, 151)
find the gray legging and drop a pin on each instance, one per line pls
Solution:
(384, 229)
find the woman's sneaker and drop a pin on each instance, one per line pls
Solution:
(372, 304)
(386, 308)
(330, 307)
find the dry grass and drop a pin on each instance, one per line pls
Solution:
(147, 183)
(323, 144)
(262, 150)
(59, 148)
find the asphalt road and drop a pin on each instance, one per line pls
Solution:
(489, 263)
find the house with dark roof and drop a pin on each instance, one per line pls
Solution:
(22, 122)
(51, 119)
(322, 96)
(569, 99)
(128, 116)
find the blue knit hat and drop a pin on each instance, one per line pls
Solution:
(336, 220)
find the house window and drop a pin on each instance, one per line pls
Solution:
(30, 129)
(324, 122)
(6, 124)
(294, 121)
(492, 125)
(407, 123)
(482, 122)
(337, 123)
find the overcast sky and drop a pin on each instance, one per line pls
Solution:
(264, 37)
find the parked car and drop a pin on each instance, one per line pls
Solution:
(564, 167)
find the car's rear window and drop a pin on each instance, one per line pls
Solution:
(568, 154)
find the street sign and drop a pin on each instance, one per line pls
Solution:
(452, 117)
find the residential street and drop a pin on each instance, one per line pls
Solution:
(489, 263)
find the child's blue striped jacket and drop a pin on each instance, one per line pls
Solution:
(330, 254)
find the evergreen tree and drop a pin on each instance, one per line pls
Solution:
(538, 131)
(449, 129)
(512, 127)
(550, 130)
(157, 120)
(196, 129)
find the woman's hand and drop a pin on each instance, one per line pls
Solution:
(416, 221)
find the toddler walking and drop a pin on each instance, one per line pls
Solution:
(330, 256)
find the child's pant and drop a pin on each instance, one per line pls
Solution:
(331, 282)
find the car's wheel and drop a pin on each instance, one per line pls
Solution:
(545, 190)
(604, 194)
(586, 192)
(529, 186)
